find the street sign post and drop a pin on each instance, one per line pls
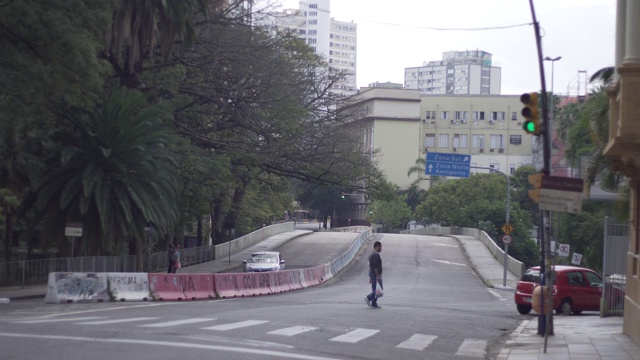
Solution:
(507, 228)
(563, 250)
(443, 164)
(561, 194)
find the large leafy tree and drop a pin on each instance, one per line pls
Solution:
(114, 173)
(48, 62)
(480, 202)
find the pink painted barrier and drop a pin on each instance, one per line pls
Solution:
(240, 285)
(313, 276)
(283, 281)
(198, 286)
(166, 287)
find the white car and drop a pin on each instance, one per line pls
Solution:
(264, 261)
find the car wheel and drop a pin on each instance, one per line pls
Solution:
(523, 309)
(565, 307)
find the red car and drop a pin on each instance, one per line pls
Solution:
(575, 289)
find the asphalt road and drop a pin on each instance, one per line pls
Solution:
(435, 307)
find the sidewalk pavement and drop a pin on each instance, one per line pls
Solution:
(582, 337)
(577, 337)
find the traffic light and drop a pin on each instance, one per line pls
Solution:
(342, 194)
(531, 113)
(536, 181)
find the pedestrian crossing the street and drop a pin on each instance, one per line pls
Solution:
(469, 348)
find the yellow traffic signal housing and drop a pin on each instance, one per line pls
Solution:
(536, 181)
(531, 113)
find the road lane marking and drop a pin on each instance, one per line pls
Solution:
(38, 321)
(110, 309)
(294, 330)
(116, 321)
(355, 335)
(417, 342)
(496, 295)
(245, 350)
(444, 245)
(236, 325)
(177, 322)
(472, 347)
(448, 262)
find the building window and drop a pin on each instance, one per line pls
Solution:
(461, 115)
(456, 141)
(313, 6)
(497, 115)
(430, 141)
(515, 139)
(444, 141)
(477, 142)
(514, 115)
(444, 115)
(313, 22)
(313, 13)
(430, 115)
(497, 141)
(512, 169)
(463, 140)
(478, 115)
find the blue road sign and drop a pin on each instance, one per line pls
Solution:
(443, 164)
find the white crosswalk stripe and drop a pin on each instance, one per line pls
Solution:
(355, 335)
(236, 325)
(291, 331)
(472, 347)
(417, 342)
(41, 321)
(178, 322)
(117, 321)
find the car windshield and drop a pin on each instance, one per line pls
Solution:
(264, 258)
(533, 275)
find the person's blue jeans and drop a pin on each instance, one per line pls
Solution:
(374, 282)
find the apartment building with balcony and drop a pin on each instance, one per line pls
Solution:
(335, 40)
(470, 72)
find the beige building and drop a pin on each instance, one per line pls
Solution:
(489, 128)
(403, 126)
(624, 145)
(389, 121)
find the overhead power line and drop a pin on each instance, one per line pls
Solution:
(451, 29)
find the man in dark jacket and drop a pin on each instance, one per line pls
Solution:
(375, 274)
(171, 258)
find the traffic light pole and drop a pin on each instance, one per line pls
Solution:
(545, 326)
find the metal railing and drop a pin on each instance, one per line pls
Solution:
(614, 266)
(36, 272)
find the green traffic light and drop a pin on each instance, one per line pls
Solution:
(529, 126)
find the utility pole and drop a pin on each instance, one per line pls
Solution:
(545, 324)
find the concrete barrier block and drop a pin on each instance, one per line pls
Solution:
(77, 287)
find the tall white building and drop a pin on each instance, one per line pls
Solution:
(335, 40)
(470, 72)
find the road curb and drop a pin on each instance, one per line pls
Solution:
(486, 282)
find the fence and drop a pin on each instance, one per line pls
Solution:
(614, 266)
(34, 272)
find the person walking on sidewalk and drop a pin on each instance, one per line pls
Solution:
(375, 275)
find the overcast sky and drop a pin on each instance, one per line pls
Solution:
(391, 36)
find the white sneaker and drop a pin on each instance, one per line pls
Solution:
(367, 301)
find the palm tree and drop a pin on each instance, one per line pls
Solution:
(420, 169)
(141, 28)
(114, 173)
